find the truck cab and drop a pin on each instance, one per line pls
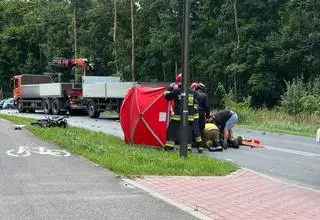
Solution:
(19, 93)
(26, 79)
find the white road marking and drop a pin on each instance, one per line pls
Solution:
(25, 151)
(20, 153)
(303, 153)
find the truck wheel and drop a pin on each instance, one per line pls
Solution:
(92, 110)
(47, 106)
(20, 106)
(55, 107)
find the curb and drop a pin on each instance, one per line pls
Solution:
(169, 201)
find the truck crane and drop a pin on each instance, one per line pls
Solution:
(71, 63)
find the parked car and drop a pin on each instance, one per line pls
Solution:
(1, 103)
(8, 104)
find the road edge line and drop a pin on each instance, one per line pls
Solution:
(184, 208)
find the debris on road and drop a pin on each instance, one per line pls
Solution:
(59, 121)
(18, 127)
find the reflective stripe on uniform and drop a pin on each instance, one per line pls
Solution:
(190, 118)
(169, 144)
(176, 117)
(196, 116)
(210, 126)
(190, 101)
(198, 139)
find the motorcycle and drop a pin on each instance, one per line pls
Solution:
(57, 121)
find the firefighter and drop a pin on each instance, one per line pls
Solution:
(196, 130)
(204, 109)
(174, 94)
(211, 136)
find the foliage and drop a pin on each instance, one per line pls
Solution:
(278, 41)
(219, 95)
(128, 160)
(301, 97)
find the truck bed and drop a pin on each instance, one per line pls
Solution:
(107, 89)
(52, 90)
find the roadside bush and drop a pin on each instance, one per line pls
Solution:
(301, 97)
(310, 104)
(291, 99)
(219, 95)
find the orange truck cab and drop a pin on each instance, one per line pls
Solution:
(27, 79)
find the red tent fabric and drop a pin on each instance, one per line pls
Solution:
(144, 116)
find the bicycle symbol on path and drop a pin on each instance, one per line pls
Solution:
(25, 151)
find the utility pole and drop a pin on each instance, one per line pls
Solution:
(185, 79)
(75, 37)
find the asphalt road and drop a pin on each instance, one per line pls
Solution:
(290, 158)
(39, 181)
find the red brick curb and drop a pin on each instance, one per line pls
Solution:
(241, 195)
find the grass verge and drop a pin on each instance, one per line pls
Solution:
(126, 160)
(276, 121)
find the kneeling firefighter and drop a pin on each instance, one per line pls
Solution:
(211, 136)
(173, 132)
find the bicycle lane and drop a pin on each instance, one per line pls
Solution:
(40, 181)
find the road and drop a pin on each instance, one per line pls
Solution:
(289, 158)
(39, 181)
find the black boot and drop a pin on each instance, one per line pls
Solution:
(213, 149)
(225, 146)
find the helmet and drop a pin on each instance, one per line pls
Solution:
(194, 85)
(179, 79)
(201, 86)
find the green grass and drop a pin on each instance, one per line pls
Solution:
(277, 121)
(127, 160)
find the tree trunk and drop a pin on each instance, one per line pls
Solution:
(115, 49)
(75, 31)
(164, 71)
(133, 49)
(235, 2)
(175, 67)
(75, 38)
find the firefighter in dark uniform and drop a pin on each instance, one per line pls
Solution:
(174, 94)
(204, 108)
(196, 129)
